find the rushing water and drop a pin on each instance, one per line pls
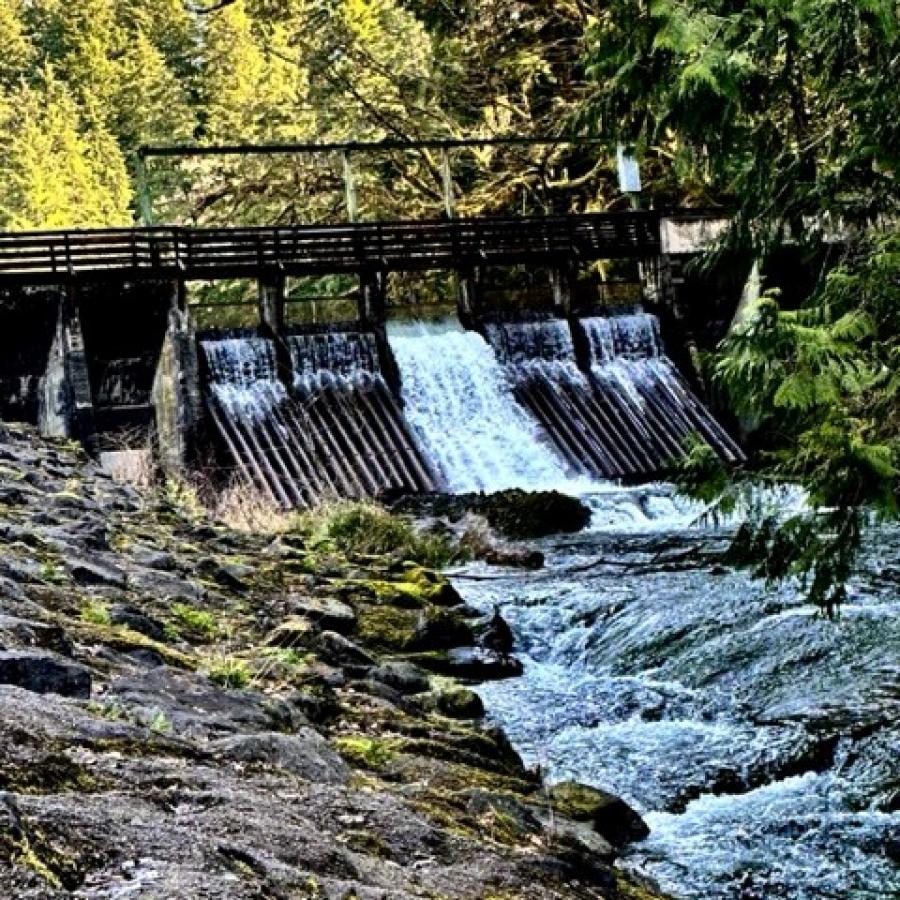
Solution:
(759, 741)
(457, 398)
(243, 375)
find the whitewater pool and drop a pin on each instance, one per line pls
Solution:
(760, 742)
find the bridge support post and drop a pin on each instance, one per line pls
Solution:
(67, 404)
(468, 294)
(562, 282)
(271, 302)
(372, 298)
(176, 396)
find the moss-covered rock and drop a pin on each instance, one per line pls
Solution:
(610, 815)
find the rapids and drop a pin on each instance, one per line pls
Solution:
(759, 741)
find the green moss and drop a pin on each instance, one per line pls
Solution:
(385, 627)
(121, 638)
(366, 753)
(51, 773)
(95, 611)
(366, 842)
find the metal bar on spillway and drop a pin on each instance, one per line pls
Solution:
(529, 393)
(243, 457)
(386, 411)
(357, 456)
(560, 400)
(393, 460)
(292, 450)
(335, 452)
(421, 477)
(366, 454)
(318, 475)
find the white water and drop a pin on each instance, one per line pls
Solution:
(705, 699)
(458, 400)
(243, 378)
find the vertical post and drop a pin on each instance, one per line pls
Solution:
(372, 299)
(349, 187)
(271, 301)
(468, 297)
(447, 183)
(145, 202)
(561, 283)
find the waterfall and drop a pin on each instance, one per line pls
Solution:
(458, 399)
(588, 428)
(629, 417)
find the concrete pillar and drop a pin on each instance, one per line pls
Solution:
(176, 396)
(372, 298)
(271, 302)
(66, 404)
(562, 283)
(468, 294)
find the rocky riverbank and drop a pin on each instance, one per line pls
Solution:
(188, 711)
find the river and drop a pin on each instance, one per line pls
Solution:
(759, 741)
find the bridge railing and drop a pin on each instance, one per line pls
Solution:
(159, 252)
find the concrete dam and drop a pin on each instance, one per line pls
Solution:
(100, 345)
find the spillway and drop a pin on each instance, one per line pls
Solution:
(628, 361)
(457, 397)
(628, 416)
(355, 422)
(337, 433)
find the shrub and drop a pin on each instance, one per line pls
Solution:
(198, 621)
(96, 612)
(228, 671)
(368, 528)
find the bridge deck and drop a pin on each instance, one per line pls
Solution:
(49, 257)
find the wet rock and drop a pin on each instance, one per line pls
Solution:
(304, 753)
(459, 703)
(228, 575)
(325, 613)
(153, 559)
(294, 632)
(469, 664)
(403, 677)
(90, 573)
(15, 632)
(191, 704)
(44, 673)
(610, 816)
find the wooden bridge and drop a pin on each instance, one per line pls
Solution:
(160, 253)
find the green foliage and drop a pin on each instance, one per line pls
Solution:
(228, 671)
(366, 528)
(785, 109)
(83, 85)
(821, 384)
(195, 621)
(96, 612)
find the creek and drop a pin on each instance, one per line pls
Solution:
(760, 741)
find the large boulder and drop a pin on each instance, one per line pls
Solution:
(44, 673)
(305, 754)
(403, 677)
(609, 815)
(535, 514)
(469, 664)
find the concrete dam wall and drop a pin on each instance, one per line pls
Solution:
(353, 410)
